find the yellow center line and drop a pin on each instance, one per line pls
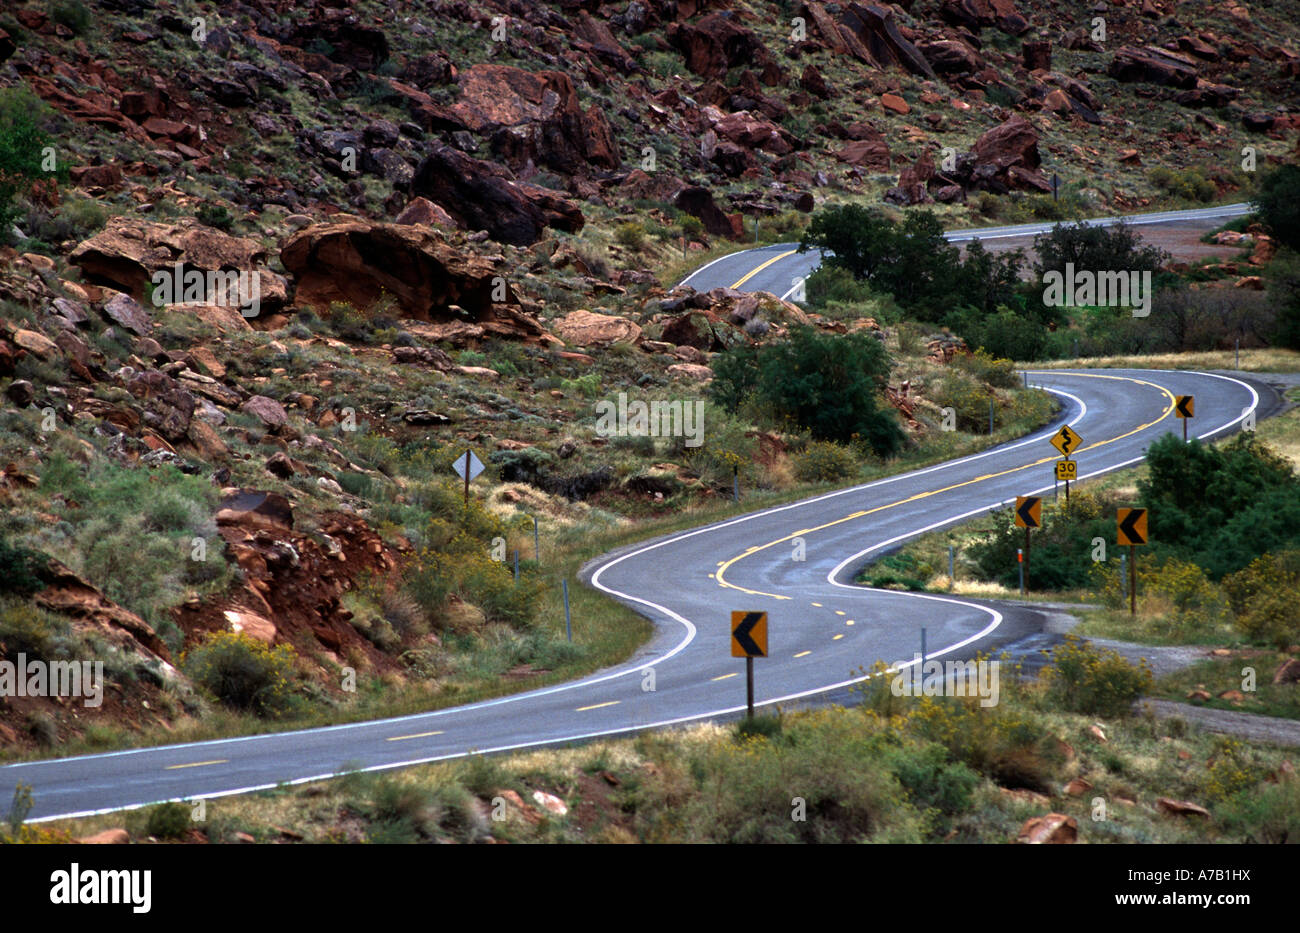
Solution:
(757, 269)
(726, 565)
(583, 709)
(840, 612)
(803, 654)
(818, 605)
(849, 622)
(837, 637)
(418, 735)
(725, 676)
(197, 764)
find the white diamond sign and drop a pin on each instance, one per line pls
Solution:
(468, 466)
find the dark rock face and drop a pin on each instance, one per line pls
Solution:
(480, 196)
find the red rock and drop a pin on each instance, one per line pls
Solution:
(870, 153)
(358, 262)
(1052, 829)
(895, 104)
(1171, 807)
(107, 837)
(588, 329)
(1153, 65)
(480, 196)
(1077, 788)
(542, 112)
(423, 211)
(698, 202)
(1036, 54)
(714, 44)
(1288, 672)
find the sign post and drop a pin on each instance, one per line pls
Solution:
(1029, 514)
(1131, 530)
(1066, 470)
(749, 641)
(1184, 408)
(467, 466)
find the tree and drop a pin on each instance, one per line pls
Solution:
(1278, 204)
(820, 382)
(1096, 249)
(1284, 294)
(21, 141)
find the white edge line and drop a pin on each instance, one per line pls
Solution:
(997, 620)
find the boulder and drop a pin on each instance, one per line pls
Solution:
(1036, 54)
(1052, 829)
(1154, 65)
(107, 837)
(126, 311)
(698, 202)
(868, 153)
(359, 261)
(34, 342)
(252, 509)
(481, 196)
(588, 329)
(425, 212)
(168, 406)
(878, 35)
(266, 410)
(128, 251)
(537, 117)
(716, 43)
(252, 624)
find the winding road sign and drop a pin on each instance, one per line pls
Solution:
(1132, 526)
(1066, 441)
(749, 634)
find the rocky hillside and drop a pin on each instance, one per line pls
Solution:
(281, 263)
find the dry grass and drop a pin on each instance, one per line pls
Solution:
(1270, 360)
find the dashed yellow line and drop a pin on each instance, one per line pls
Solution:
(818, 605)
(197, 764)
(583, 709)
(848, 622)
(726, 565)
(802, 654)
(837, 637)
(418, 735)
(840, 612)
(725, 676)
(757, 269)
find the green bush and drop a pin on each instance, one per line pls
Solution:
(1278, 203)
(243, 673)
(73, 14)
(1267, 813)
(1189, 184)
(999, 372)
(20, 570)
(825, 462)
(1095, 681)
(934, 780)
(630, 234)
(823, 383)
(215, 215)
(169, 820)
(21, 143)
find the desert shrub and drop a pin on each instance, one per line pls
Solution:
(21, 143)
(933, 779)
(243, 673)
(1183, 584)
(1232, 768)
(1278, 203)
(20, 570)
(1271, 618)
(825, 462)
(1003, 333)
(1083, 678)
(24, 629)
(630, 234)
(998, 372)
(215, 215)
(1189, 184)
(692, 226)
(824, 383)
(168, 820)
(826, 768)
(829, 284)
(968, 399)
(73, 14)
(1268, 813)
(1009, 746)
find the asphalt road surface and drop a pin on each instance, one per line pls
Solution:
(780, 268)
(822, 629)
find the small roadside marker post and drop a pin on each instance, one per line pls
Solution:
(749, 641)
(516, 565)
(1131, 530)
(537, 551)
(735, 483)
(1020, 560)
(568, 623)
(922, 670)
(990, 416)
(952, 576)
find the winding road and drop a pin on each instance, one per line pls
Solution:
(823, 630)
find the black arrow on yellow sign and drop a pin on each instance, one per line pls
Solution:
(746, 642)
(1185, 407)
(1132, 524)
(1029, 511)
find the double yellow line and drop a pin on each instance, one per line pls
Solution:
(724, 566)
